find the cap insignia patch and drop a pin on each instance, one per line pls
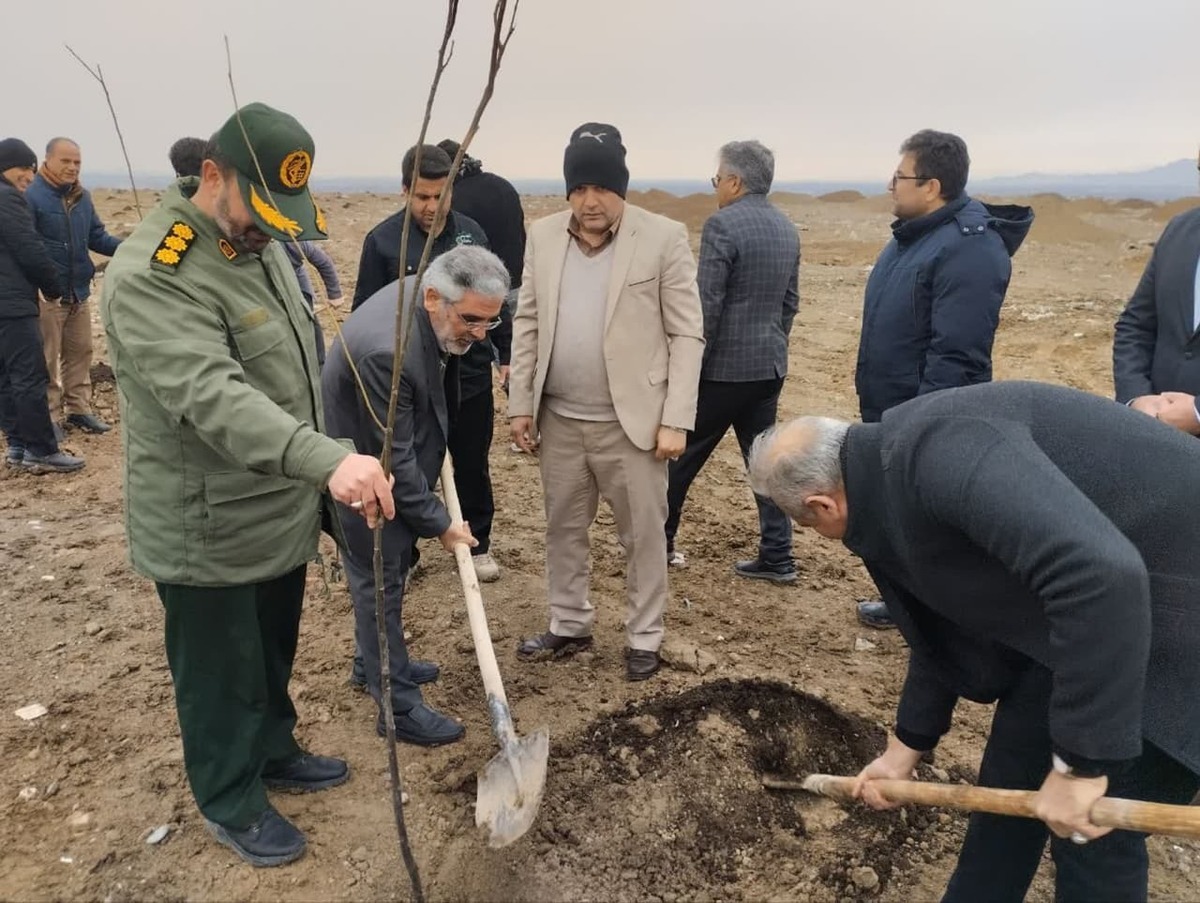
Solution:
(320, 220)
(174, 245)
(271, 216)
(294, 170)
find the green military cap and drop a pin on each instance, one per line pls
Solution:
(273, 155)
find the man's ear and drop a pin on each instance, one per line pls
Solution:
(431, 300)
(821, 505)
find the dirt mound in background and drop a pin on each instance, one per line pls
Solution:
(842, 197)
(1172, 209)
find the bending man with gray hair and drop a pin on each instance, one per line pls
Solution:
(748, 274)
(1025, 570)
(457, 305)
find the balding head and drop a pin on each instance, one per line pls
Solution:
(797, 465)
(63, 160)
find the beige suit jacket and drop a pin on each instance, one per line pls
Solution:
(654, 327)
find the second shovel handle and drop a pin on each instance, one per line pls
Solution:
(1108, 812)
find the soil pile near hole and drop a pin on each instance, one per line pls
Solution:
(664, 801)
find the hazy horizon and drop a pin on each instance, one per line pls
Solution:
(832, 87)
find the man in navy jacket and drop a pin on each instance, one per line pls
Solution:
(67, 221)
(933, 299)
(25, 269)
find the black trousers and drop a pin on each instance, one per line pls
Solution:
(231, 650)
(470, 443)
(1000, 854)
(360, 574)
(750, 408)
(24, 413)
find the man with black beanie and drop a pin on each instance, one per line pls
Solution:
(607, 343)
(25, 267)
(494, 203)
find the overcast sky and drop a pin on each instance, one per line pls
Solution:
(832, 86)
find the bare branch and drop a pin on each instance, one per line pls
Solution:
(98, 75)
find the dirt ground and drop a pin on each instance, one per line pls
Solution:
(653, 791)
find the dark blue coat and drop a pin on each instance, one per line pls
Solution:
(68, 234)
(933, 302)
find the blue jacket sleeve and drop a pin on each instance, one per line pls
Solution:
(99, 239)
(968, 289)
(325, 266)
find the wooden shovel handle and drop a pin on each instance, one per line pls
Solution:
(488, 669)
(1108, 812)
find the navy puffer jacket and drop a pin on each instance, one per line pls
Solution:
(68, 234)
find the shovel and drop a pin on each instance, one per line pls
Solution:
(1108, 812)
(509, 788)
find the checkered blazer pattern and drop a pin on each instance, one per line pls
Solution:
(748, 275)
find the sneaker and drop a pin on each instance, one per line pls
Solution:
(14, 455)
(486, 568)
(89, 423)
(676, 559)
(268, 841)
(756, 570)
(59, 462)
(874, 613)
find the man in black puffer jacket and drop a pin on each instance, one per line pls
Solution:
(25, 267)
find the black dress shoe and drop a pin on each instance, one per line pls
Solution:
(640, 664)
(270, 840)
(306, 773)
(548, 645)
(873, 613)
(423, 726)
(420, 672)
(89, 423)
(755, 569)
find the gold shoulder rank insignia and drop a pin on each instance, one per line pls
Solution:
(174, 245)
(227, 249)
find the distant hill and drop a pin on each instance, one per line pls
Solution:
(1162, 183)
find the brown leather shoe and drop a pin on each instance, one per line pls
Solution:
(640, 664)
(548, 645)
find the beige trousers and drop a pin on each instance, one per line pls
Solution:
(580, 462)
(67, 343)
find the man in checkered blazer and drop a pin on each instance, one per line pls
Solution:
(748, 273)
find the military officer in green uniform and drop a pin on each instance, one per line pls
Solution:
(227, 472)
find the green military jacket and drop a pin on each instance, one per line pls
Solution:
(215, 362)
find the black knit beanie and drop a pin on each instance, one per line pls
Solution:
(596, 156)
(15, 152)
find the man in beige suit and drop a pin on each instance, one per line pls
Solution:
(607, 343)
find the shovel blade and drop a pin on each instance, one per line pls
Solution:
(510, 786)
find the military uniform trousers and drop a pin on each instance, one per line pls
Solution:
(231, 650)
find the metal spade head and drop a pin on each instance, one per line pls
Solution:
(510, 788)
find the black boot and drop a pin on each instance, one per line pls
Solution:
(270, 840)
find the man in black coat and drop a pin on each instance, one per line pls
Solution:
(459, 302)
(1030, 559)
(494, 203)
(933, 298)
(380, 265)
(25, 267)
(1156, 347)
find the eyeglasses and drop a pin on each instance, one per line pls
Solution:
(900, 177)
(716, 180)
(473, 323)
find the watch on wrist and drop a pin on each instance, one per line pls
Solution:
(1060, 765)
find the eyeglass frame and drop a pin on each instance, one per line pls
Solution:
(473, 325)
(899, 177)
